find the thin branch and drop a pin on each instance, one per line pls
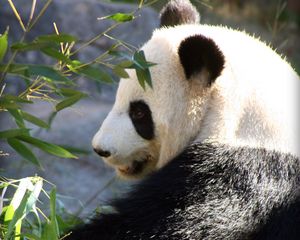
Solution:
(31, 13)
(39, 15)
(95, 38)
(17, 14)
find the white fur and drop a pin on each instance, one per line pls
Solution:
(253, 102)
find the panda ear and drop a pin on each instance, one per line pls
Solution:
(178, 12)
(198, 53)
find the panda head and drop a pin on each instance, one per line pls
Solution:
(147, 128)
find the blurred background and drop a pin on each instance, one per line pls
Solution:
(86, 183)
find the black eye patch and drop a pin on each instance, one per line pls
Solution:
(141, 117)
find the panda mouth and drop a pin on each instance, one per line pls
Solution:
(135, 168)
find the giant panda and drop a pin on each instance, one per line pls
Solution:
(214, 140)
(209, 84)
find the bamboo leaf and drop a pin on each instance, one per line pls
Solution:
(13, 98)
(14, 133)
(46, 71)
(140, 60)
(3, 44)
(125, 64)
(69, 101)
(50, 231)
(56, 55)
(76, 150)
(23, 150)
(35, 70)
(17, 216)
(17, 116)
(31, 46)
(61, 38)
(53, 223)
(68, 92)
(119, 17)
(34, 120)
(47, 147)
(19, 69)
(142, 69)
(10, 102)
(119, 71)
(95, 73)
(140, 77)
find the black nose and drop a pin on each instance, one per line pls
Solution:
(101, 152)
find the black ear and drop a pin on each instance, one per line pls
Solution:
(198, 53)
(178, 12)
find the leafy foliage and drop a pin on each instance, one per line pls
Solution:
(56, 83)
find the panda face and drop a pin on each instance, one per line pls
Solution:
(146, 128)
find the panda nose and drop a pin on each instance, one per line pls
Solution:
(102, 152)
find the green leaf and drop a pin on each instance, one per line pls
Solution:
(23, 150)
(14, 133)
(47, 72)
(142, 69)
(119, 17)
(94, 73)
(10, 102)
(17, 216)
(119, 71)
(35, 70)
(137, 60)
(68, 92)
(9, 213)
(3, 44)
(17, 116)
(50, 231)
(76, 150)
(140, 60)
(51, 118)
(121, 54)
(141, 78)
(144, 76)
(23, 202)
(19, 69)
(69, 101)
(31, 46)
(56, 55)
(34, 120)
(53, 211)
(61, 38)
(125, 64)
(47, 147)
(15, 99)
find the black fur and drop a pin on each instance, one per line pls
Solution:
(141, 117)
(178, 12)
(209, 192)
(198, 53)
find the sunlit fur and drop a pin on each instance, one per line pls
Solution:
(252, 103)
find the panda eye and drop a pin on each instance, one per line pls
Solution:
(141, 117)
(137, 114)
